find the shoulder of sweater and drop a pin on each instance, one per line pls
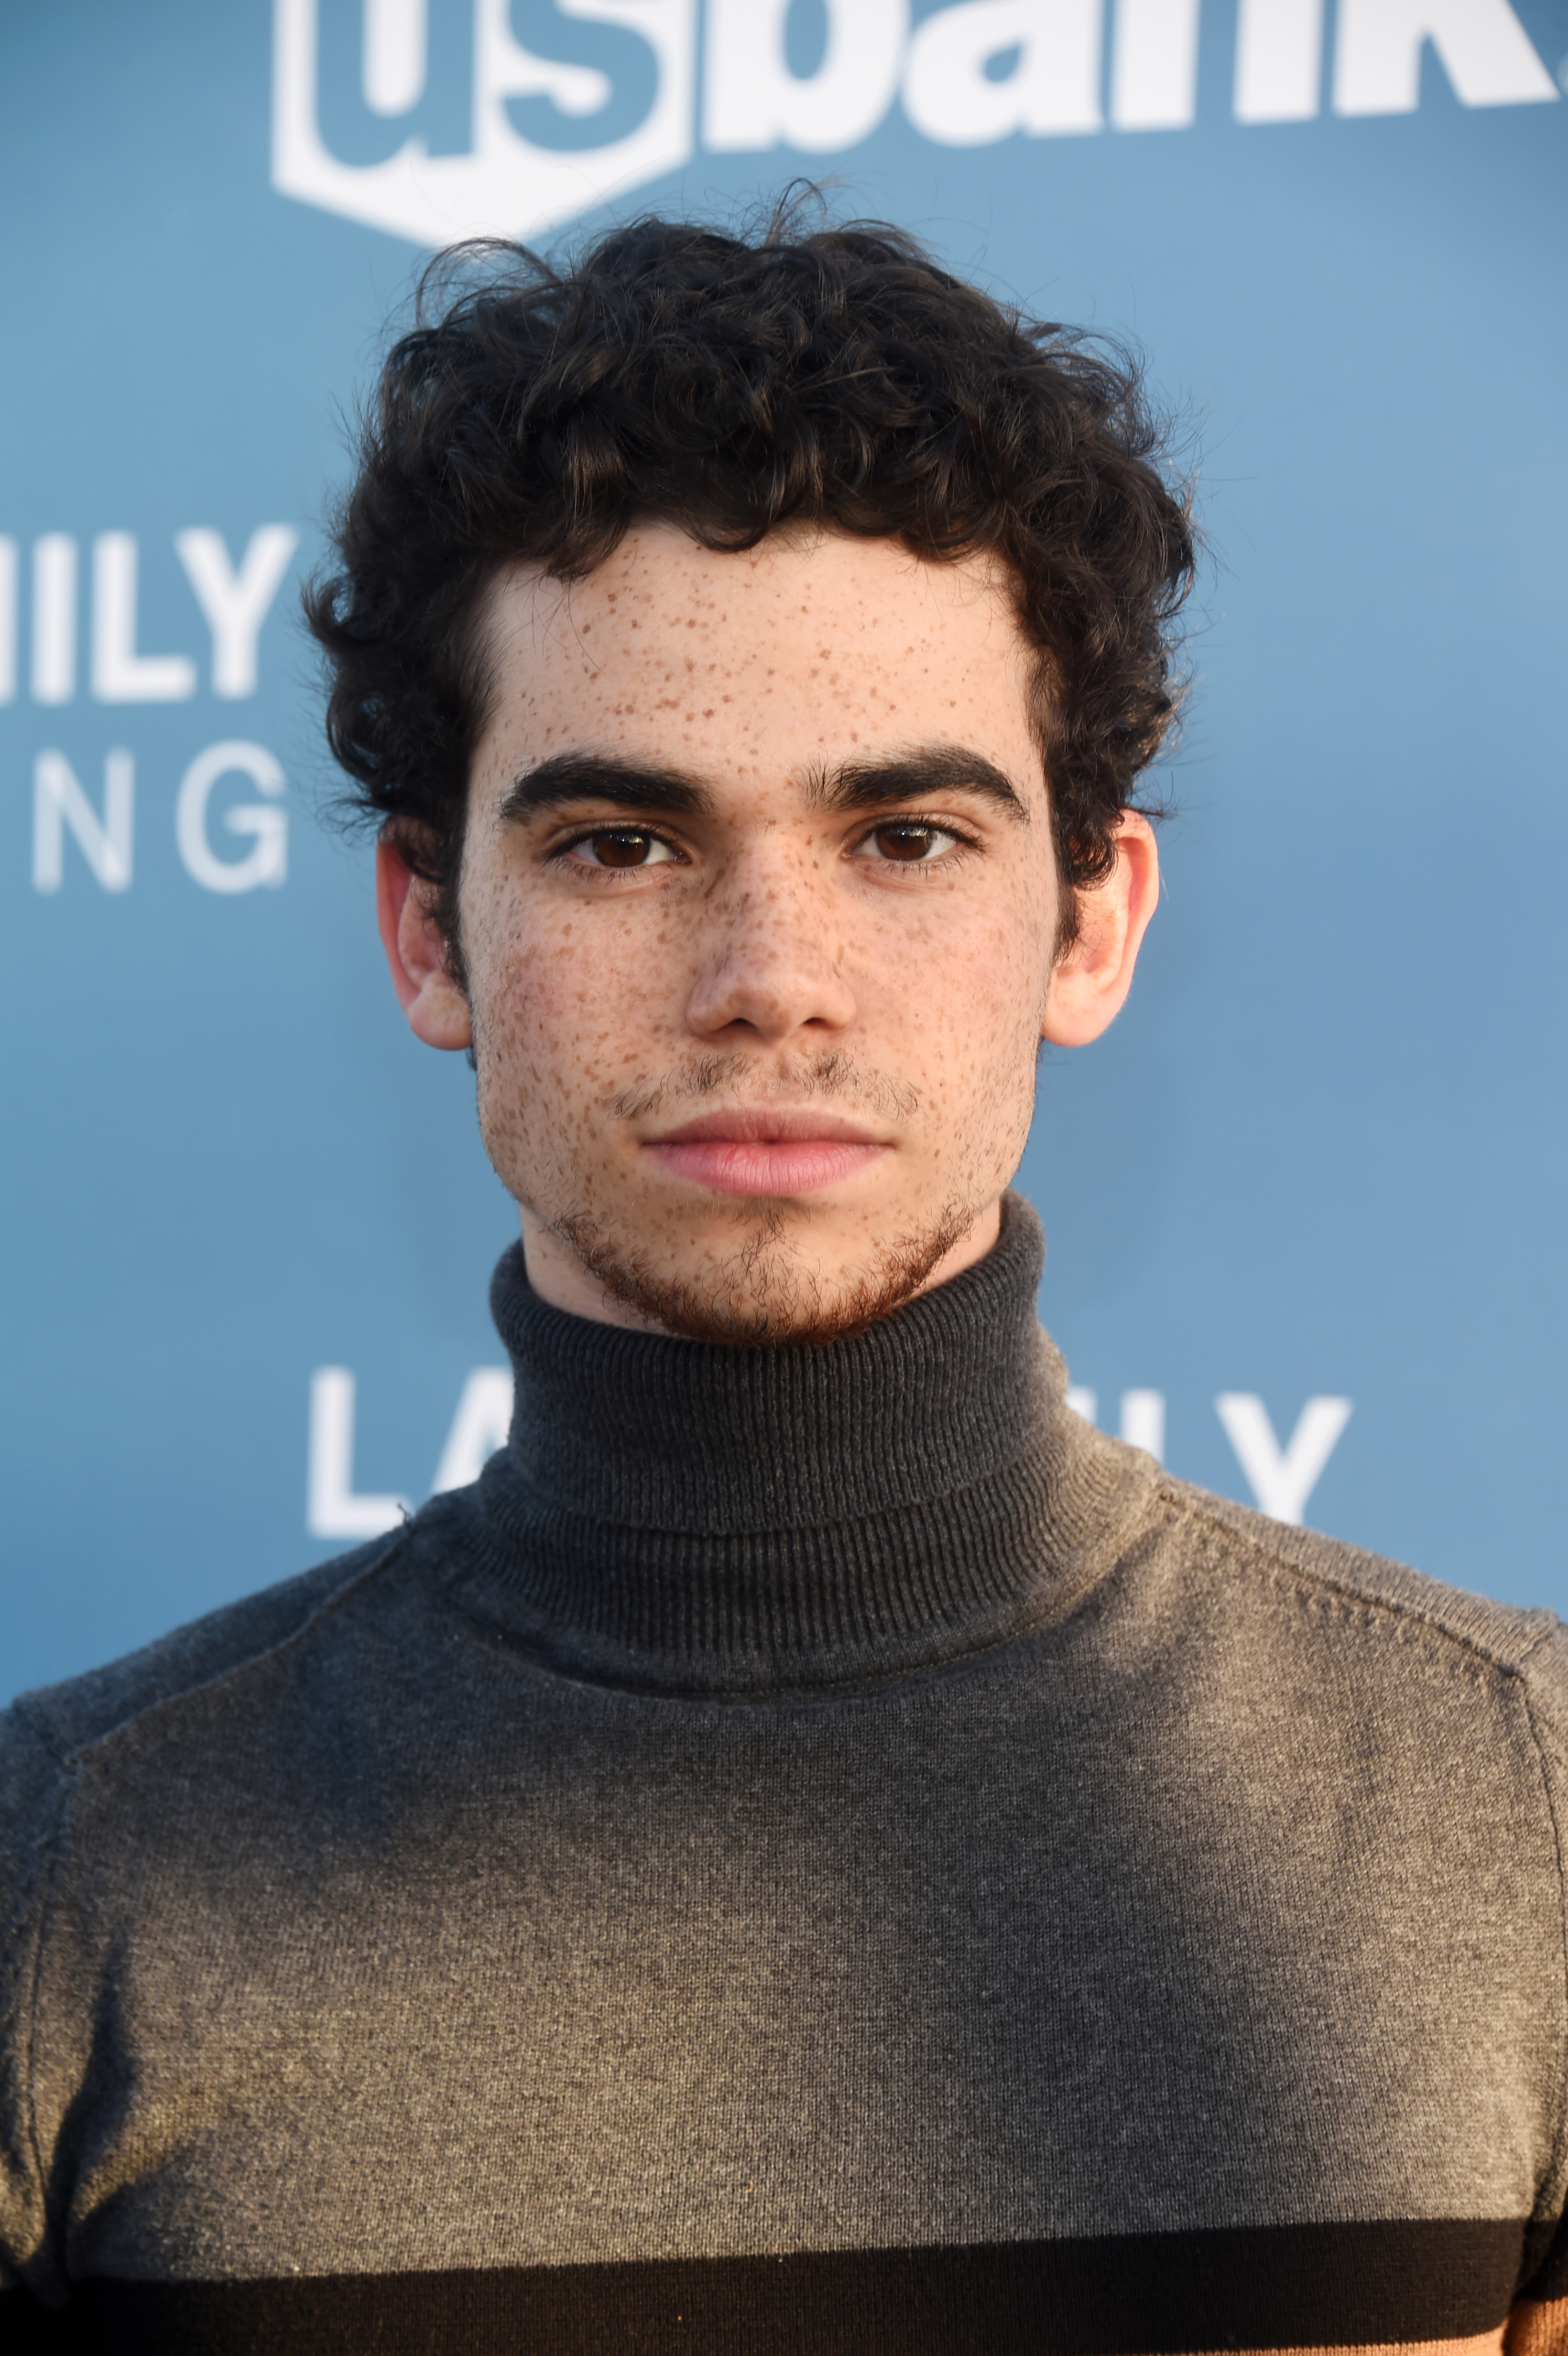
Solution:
(64, 1722)
(1513, 1640)
(45, 1737)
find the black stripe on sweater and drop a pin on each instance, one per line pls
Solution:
(1125, 2295)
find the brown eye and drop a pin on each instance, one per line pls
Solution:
(907, 840)
(622, 846)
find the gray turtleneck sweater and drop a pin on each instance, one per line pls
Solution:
(818, 1850)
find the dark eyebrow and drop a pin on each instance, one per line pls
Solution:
(919, 776)
(851, 786)
(602, 777)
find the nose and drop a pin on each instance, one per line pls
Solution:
(771, 968)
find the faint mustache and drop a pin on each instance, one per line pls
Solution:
(836, 1075)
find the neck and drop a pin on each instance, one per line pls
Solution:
(678, 1516)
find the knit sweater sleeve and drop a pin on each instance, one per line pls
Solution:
(1545, 1675)
(46, 1741)
(32, 1793)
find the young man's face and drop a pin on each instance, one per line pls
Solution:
(758, 908)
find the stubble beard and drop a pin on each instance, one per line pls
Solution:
(765, 1293)
(766, 1290)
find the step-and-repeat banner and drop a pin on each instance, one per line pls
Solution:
(1303, 1203)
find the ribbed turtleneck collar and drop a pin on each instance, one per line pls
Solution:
(686, 1517)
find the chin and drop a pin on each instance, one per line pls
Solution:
(760, 1291)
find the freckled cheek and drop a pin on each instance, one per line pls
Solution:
(569, 986)
(957, 1013)
(976, 981)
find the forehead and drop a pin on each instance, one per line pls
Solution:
(807, 648)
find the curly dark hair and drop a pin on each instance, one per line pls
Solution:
(675, 372)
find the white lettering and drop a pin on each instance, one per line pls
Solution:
(7, 620)
(333, 1508)
(1279, 60)
(750, 99)
(482, 1420)
(1486, 52)
(54, 619)
(267, 860)
(236, 604)
(1282, 1479)
(1154, 64)
(1142, 1421)
(1083, 1401)
(977, 70)
(503, 186)
(60, 802)
(392, 61)
(120, 675)
(1054, 85)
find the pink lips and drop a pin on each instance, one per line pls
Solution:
(788, 1151)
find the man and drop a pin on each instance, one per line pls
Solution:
(819, 1849)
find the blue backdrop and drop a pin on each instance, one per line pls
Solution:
(248, 1222)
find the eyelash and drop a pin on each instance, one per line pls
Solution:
(962, 842)
(595, 833)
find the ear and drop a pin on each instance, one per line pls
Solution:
(416, 953)
(1090, 984)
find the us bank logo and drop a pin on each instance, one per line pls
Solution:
(442, 119)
